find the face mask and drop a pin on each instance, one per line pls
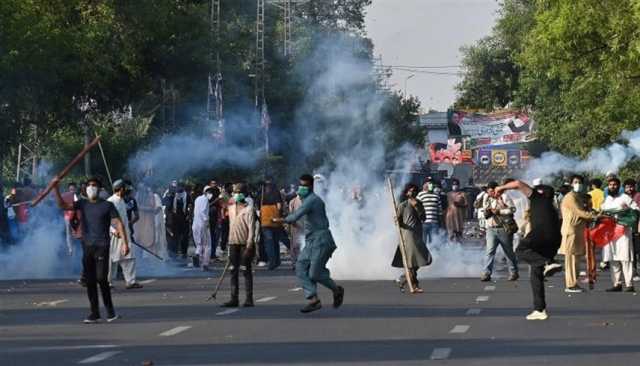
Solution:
(92, 192)
(303, 191)
(238, 197)
(577, 187)
(430, 187)
(209, 196)
(454, 187)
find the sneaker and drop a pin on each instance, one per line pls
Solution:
(312, 306)
(538, 315)
(485, 277)
(92, 319)
(513, 277)
(636, 278)
(134, 285)
(616, 288)
(338, 297)
(248, 303)
(551, 269)
(233, 303)
(574, 289)
(262, 264)
(629, 289)
(113, 318)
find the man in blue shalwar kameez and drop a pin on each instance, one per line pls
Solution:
(319, 245)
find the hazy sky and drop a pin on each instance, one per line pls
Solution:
(427, 33)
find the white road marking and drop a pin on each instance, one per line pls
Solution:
(440, 353)
(146, 282)
(99, 357)
(61, 348)
(459, 329)
(265, 299)
(295, 289)
(482, 298)
(174, 331)
(51, 303)
(228, 311)
(489, 288)
(474, 311)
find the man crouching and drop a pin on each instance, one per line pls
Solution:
(243, 226)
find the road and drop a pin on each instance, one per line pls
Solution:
(457, 321)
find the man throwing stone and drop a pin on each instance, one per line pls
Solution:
(319, 246)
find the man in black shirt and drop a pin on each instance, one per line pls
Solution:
(541, 241)
(97, 217)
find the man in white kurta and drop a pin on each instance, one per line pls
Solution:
(619, 253)
(200, 228)
(126, 262)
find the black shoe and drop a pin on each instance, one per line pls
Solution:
(112, 318)
(338, 297)
(92, 319)
(616, 288)
(233, 303)
(82, 282)
(629, 289)
(248, 303)
(485, 277)
(514, 277)
(196, 261)
(312, 306)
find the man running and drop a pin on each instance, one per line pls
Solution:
(541, 241)
(97, 216)
(319, 246)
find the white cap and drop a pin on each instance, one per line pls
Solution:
(537, 182)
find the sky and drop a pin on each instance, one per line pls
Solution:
(427, 33)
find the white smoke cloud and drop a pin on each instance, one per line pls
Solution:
(611, 158)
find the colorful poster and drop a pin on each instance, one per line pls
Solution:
(495, 128)
(450, 153)
(484, 158)
(499, 157)
(513, 157)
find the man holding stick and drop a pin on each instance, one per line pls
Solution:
(319, 246)
(97, 216)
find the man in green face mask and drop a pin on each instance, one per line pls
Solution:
(319, 246)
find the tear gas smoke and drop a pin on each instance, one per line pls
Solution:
(364, 230)
(602, 160)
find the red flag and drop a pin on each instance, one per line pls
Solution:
(606, 231)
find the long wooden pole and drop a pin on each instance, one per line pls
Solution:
(65, 171)
(403, 252)
(104, 160)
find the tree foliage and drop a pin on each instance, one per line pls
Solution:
(574, 63)
(154, 57)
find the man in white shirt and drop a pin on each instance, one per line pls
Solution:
(619, 252)
(200, 228)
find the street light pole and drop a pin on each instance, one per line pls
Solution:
(405, 83)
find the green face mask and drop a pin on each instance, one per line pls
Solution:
(238, 197)
(303, 191)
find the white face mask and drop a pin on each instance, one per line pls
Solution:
(209, 196)
(577, 187)
(92, 192)
(455, 187)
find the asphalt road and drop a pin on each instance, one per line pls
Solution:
(455, 322)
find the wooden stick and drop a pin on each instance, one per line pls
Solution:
(104, 160)
(403, 252)
(65, 171)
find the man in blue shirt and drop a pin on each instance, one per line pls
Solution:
(319, 246)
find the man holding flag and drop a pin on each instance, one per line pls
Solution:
(619, 251)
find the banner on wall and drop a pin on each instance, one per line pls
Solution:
(500, 128)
